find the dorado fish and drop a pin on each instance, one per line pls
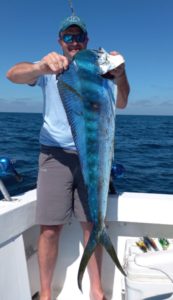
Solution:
(89, 102)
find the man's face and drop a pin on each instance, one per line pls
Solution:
(71, 47)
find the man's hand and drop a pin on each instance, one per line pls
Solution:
(53, 63)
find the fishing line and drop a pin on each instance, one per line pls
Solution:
(71, 7)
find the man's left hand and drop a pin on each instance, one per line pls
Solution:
(120, 70)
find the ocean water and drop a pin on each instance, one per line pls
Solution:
(144, 146)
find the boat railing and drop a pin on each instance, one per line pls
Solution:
(129, 215)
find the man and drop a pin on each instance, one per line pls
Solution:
(60, 183)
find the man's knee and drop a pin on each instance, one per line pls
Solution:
(51, 232)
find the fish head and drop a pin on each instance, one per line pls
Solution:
(108, 62)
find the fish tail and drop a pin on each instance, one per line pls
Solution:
(105, 241)
(97, 237)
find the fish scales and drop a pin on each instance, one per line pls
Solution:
(89, 102)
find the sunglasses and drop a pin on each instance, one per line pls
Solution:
(69, 38)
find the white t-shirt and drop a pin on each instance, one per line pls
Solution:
(55, 130)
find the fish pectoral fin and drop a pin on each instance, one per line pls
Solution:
(97, 237)
(71, 89)
(78, 113)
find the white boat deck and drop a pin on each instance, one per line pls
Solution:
(129, 215)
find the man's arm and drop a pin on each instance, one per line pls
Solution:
(123, 90)
(26, 72)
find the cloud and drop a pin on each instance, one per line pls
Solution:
(168, 103)
(25, 104)
(153, 106)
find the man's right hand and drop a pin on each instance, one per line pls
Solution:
(53, 63)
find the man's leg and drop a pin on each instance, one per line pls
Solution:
(94, 266)
(47, 254)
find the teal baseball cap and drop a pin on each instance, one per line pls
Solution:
(70, 21)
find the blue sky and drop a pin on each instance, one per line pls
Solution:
(141, 30)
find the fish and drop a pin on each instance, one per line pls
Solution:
(89, 102)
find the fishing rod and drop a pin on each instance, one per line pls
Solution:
(71, 7)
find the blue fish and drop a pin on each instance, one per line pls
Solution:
(89, 102)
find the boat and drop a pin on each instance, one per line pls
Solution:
(129, 216)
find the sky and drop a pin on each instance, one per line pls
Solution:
(141, 30)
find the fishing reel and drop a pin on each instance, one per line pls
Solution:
(117, 171)
(7, 169)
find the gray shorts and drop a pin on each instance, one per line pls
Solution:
(60, 187)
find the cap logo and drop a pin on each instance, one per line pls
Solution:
(72, 20)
